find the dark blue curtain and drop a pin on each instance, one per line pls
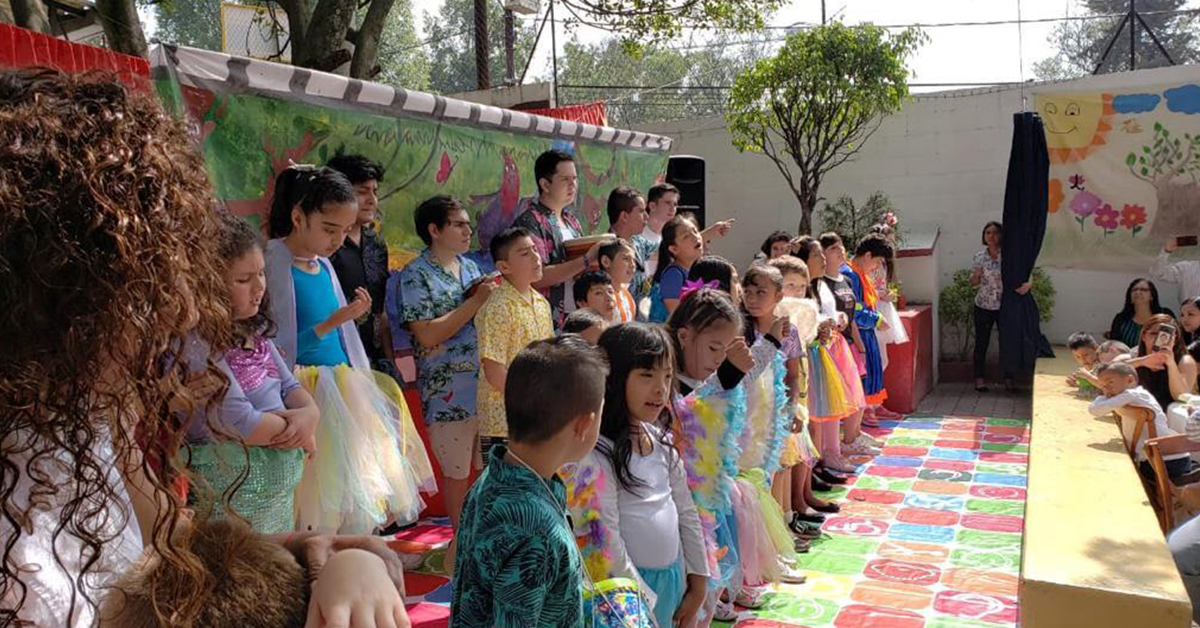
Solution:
(1025, 198)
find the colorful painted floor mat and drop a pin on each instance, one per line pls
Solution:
(929, 536)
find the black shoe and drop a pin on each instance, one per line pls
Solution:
(803, 529)
(816, 519)
(829, 508)
(827, 476)
(821, 487)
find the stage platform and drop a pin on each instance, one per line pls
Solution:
(1093, 553)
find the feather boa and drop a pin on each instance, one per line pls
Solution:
(781, 426)
(584, 484)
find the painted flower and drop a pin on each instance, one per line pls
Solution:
(1085, 204)
(1133, 217)
(1106, 218)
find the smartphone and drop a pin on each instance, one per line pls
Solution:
(1187, 240)
(1165, 340)
(493, 277)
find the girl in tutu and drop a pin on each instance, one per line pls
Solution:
(370, 462)
(835, 388)
(264, 408)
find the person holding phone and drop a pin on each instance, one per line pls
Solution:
(1164, 366)
(1185, 273)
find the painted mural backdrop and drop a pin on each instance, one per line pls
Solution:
(1124, 174)
(249, 135)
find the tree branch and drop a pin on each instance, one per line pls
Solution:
(366, 48)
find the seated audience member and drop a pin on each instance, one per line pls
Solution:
(1111, 351)
(1185, 273)
(1141, 302)
(619, 259)
(1163, 365)
(1084, 349)
(588, 324)
(594, 291)
(518, 562)
(1121, 393)
(1189, 320)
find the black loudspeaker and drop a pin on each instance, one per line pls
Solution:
(686, 172)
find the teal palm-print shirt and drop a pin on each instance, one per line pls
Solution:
(639, 288)
(518, 565)
(447, 373)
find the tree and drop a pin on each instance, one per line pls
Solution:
(640, 22)
(452, 46)
(122, 30)
(30, 14)
(1081, 43)
(660, 83)
(194, 23)
(402, 58)
(812, 106)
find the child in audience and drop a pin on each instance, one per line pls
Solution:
(872, 251)
(586, 323)
(681, 246)
(619, 260)
(1121, 393)
(795, 275)
(370, 462)
(264, 408)
(514, 316)
(1085, 351)
(1111, 351)
(644, 502)
(594, 290)
(518, 563)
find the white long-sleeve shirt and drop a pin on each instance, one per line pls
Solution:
(649, 528)
(1137, 397)
(1185, 273)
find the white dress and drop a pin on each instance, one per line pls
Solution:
(51, 600)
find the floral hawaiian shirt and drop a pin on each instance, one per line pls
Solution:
(548, 240)
(505, 324)
(990, 288)
(447, 373)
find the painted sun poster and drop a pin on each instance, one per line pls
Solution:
(1124, 174)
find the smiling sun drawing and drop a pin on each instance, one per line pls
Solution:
(1076, 124)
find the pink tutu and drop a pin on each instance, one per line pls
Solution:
(847, 366)
(755, 548)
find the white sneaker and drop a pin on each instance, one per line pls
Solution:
(867, 440)
(725, 611)
(859, 448)
(870, 440)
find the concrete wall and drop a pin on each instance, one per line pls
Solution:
(942, 161)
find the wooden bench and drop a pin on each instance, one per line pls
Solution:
(1094, 554)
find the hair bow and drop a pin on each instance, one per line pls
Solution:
(692, 286)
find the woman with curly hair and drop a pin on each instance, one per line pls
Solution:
(108, 264)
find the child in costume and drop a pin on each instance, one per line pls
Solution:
(264, 408)
(370, 462)
(839, 403)
(619, 259)
(713, 362)
(871, 253)
(813, 332)
(886, 306)
(644, 503)
(681, 246)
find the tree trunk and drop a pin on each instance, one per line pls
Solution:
(298, 14)
(483, 77)
(122, 28)
(366, 48)
(322, 48)
(31, 14)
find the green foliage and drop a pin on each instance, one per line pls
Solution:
(956, 310)
(402, 59)
(609, 62)
(195, 23)
(643, 22)
(852, 221)
(1080, 43)
(811, 106)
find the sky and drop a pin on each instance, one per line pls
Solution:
(958, 55)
